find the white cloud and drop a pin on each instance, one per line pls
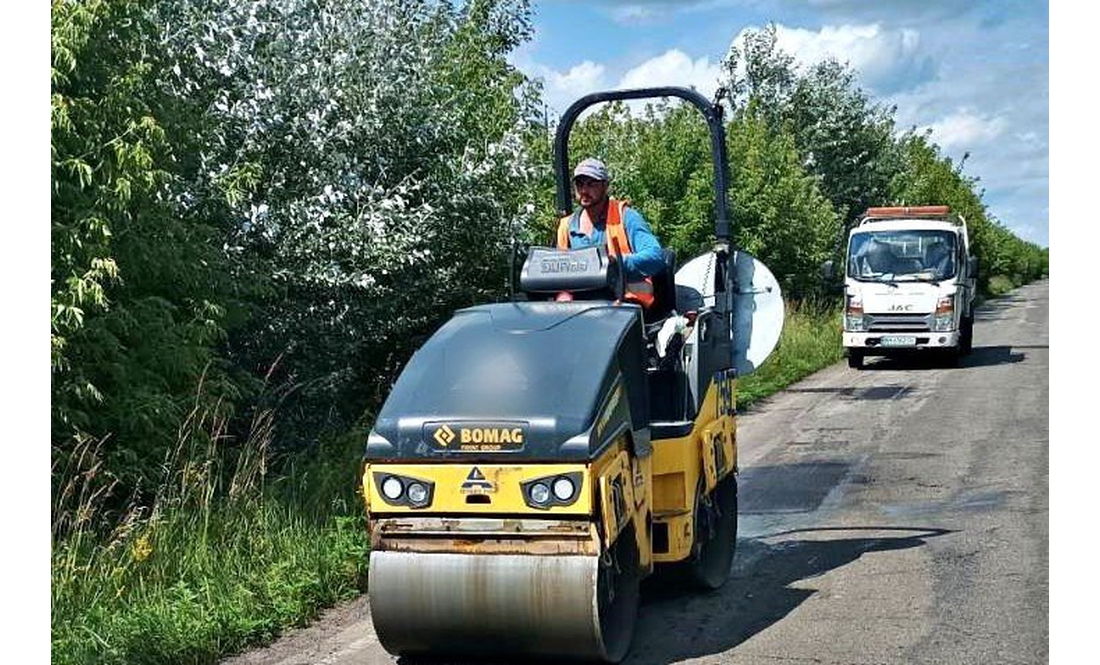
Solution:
(583, 78)
(966, 128)
(627, 12)
(882, 57)
(674, 67)
(560, 89)
(634, 14)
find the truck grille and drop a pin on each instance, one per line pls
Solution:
(898, 322)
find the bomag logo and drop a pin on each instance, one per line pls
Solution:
(444, 436)
(490, 435)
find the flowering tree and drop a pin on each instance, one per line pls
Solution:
(373, 155)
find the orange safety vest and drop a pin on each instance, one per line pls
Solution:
(640, 291)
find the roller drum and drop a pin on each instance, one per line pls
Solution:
(490, 604)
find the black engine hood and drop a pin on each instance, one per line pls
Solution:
(531, 380)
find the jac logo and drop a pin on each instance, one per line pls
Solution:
(900, 308)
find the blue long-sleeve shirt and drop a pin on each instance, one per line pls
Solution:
(645, 259)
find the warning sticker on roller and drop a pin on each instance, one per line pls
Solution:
(477, 483)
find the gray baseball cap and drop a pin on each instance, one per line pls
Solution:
(591, 168)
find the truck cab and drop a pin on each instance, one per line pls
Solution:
(909, 284)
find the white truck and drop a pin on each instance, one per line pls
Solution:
(909, 285)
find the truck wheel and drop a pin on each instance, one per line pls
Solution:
(966, 335)
(715, 533)
(952, 357)
(855, 359)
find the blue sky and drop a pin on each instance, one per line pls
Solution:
(976, 73)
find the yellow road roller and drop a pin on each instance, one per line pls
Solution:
(536, 459)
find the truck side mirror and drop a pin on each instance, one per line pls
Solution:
(972, 266)
(828, 271)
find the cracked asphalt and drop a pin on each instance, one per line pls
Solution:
(897, 514)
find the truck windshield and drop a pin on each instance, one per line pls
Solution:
(902, 255)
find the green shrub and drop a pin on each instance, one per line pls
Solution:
(1000, 285)
(811, 340)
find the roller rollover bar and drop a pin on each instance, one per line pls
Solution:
(711, 111)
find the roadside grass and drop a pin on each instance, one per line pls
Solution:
(225, 556)
(811, 340)
(999, 285)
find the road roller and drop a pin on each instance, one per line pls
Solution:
(536, 460)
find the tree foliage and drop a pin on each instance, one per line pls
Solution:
(138, 302)
(384, 173)
(317, 184)
(845, 138)
(930, 178)
(662, 162)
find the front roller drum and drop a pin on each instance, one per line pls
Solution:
(574, 606)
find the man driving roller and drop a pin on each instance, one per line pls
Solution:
(601, 220)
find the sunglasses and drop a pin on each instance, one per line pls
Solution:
(584, 182)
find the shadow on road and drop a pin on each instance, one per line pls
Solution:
(984, 356)
(851, 393)
(980, 356)
(676, 624)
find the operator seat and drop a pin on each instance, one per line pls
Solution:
(664, 289)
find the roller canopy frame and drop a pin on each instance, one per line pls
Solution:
(711, 111)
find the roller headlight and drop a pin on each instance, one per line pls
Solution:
(563, 488)
(392, 488)
(540, 493)
(402, 490)
(418, 493)
(560, 489)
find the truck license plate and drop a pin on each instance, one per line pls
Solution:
(899, 340)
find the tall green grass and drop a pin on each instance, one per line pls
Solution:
(224, 556)
(811, 340)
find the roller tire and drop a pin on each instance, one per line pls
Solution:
(716, 529)
(618, 589)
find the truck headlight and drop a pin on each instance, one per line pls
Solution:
(944, 318)
(853, 314)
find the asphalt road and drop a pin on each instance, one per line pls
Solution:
(896, 514)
